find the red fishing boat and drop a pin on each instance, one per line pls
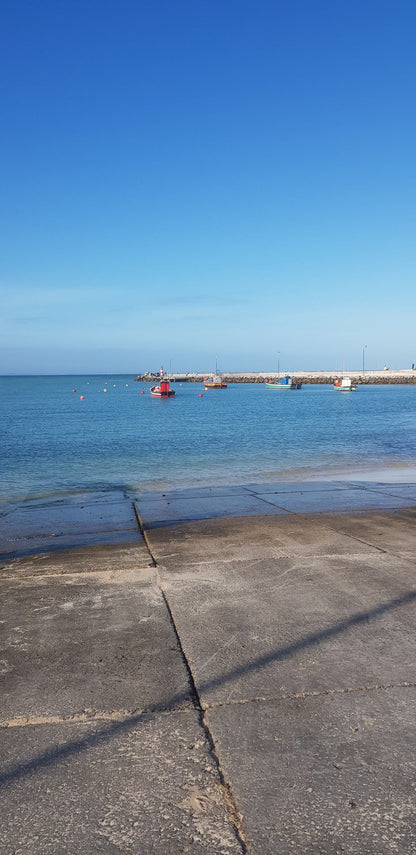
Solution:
(163, 390)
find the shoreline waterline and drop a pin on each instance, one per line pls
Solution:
(393, 474)
(385, 474)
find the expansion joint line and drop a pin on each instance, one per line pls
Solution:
(234, 814)
(144, 535)
(358, 539)
(260, 699)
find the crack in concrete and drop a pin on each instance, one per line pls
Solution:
(272, 557)
(358, 539)
(144, 535)
(126, 715)
(233, 813)
(86, 717)
(312, 694)
(92, 571)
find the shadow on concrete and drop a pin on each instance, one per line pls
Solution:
(104, 734)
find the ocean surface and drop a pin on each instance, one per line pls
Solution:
(52, 442)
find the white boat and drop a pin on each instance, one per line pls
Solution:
(344, 385)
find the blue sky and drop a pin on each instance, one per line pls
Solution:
(207, 179)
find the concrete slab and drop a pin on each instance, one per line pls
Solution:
(102, 641)
(72, 521)
(146, 785)
(21, 547)
(189, 492)
(332, 774)
(112, 557)
(86, 497)
(393, 532)
(299, 486)
(328, 501)
(164, 512)
(68, 519)
(403, 491)
(75, 497)
(233, 539)
(291, 634)
(268, 628)
(300, 497)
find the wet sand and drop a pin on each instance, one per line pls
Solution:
(218, 670)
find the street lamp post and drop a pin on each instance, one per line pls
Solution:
(364, 349)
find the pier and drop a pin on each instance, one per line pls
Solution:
(386, 376)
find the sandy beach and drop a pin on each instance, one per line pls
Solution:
(216, 670)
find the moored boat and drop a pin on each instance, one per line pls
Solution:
(163, 390)
(344, 385)
(285, 382)
(214, 381)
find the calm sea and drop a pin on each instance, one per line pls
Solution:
(53, 442)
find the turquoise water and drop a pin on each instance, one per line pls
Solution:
(53, 442)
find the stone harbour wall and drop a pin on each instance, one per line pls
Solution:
(405, 376)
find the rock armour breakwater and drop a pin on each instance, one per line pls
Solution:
(405, 376)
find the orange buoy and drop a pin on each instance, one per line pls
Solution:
(81, 397)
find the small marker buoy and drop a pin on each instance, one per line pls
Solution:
(104, 390)
(142, 391)
(81, 397)
(200, 395)
(74, 390)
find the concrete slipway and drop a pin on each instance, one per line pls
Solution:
(210, 671)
